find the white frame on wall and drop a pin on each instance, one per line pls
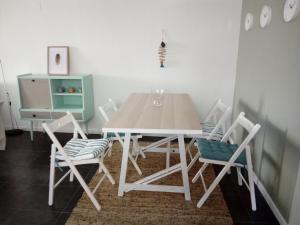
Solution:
(58, 60)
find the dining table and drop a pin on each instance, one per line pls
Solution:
(175, 117)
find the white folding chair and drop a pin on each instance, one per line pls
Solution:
(75, 152)
(229, 155)
(214, 127)
(107, 110)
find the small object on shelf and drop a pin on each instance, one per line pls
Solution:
(71, 90)
(79, 90)
(61, 90)
(162, 51)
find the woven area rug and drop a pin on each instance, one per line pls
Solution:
(145, 208)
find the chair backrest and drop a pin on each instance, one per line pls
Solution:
(247, 125)
(108, 109)
(216, 112)
(222, 124)
(219, 116)
(60, 123)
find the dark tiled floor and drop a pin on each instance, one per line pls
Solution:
(24, 172)
(239, 204)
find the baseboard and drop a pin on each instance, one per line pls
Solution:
(269, 200)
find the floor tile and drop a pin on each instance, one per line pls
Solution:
(34, 217)
(243, 223)
(15, 157)
(239, 203)
(5, 215)
(62, 219)
(237, 212)
(34, 197)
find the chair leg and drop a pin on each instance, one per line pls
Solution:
(188, 147)
(138, 147)
(100, 167)
(84, 185)
(107, 173)
(194, 160)
(134, 151)
(168, 156)
(199, 173)
(110, 149)
(52, 176)
(71, 177)
(136, 166)
(229, 171)
(142, 153)
(238, 171)
(213, 185)
(250, 178)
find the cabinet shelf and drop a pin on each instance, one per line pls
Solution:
(72, 110)
(68, 107)
(68, 94)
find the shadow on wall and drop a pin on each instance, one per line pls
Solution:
(273, 147)
(275, 157)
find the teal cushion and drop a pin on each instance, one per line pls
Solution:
(112, 135)
(81, 149)
(216, 150)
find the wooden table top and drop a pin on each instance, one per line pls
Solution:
(177, 115)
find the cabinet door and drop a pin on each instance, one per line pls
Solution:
(35, 93)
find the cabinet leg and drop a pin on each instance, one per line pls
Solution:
(86, 127)
(31, 130)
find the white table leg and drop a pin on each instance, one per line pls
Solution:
(184, 169)
(124, 165)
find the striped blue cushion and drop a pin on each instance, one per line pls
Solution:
(207, 128)
(80, 149)
(221, 151)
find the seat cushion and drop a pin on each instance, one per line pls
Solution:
(216, 150)
(80, 149)
(112, 135)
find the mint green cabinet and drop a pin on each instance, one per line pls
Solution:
(44, 97)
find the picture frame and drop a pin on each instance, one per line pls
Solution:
(58, 60)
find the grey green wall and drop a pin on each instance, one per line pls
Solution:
(268, 90)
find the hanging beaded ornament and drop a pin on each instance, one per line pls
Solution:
(162, 51)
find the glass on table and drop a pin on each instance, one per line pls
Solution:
(157, 96)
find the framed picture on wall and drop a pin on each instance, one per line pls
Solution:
(58, 60)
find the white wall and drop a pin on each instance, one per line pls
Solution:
(267, 90)
(117, 41)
